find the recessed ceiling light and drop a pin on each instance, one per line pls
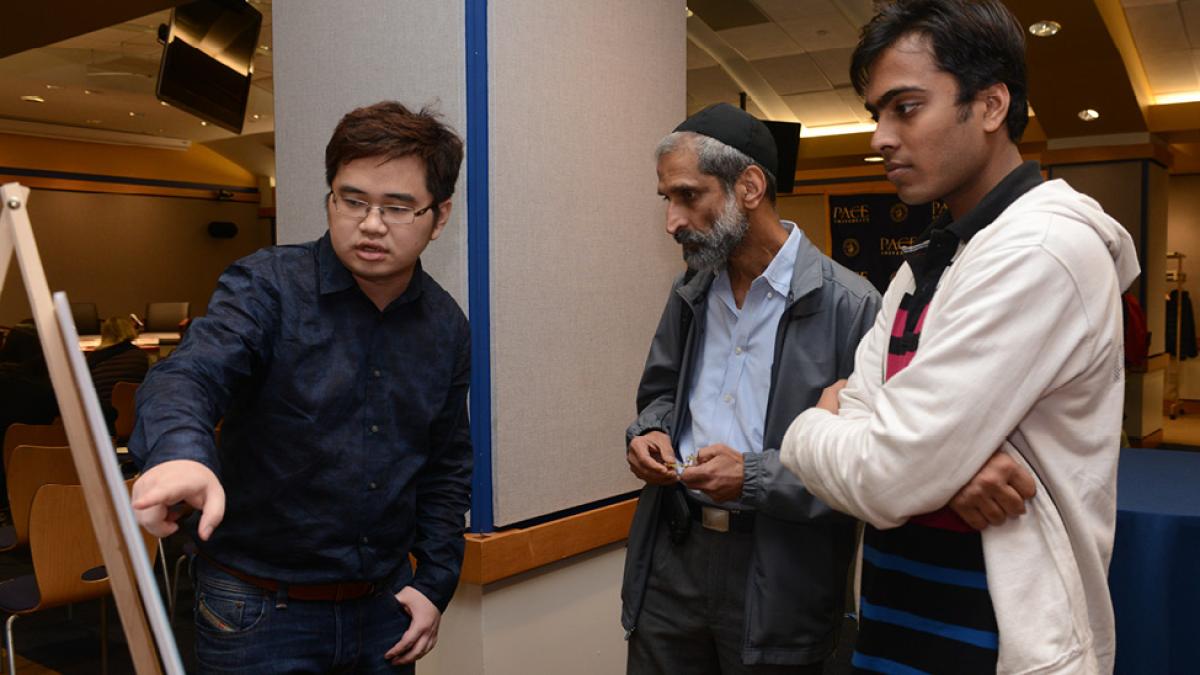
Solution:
(690, 13)
(33, 99)
(255, 116)
(873, 159)
(93, 121)
(1045, 28)
(1089, 115)
(203, 123)
(264, 48)
(89, 92)
(164, 104)
(136, 114)
(53, 87)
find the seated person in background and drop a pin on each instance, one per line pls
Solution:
(26, 395)
(117, 359)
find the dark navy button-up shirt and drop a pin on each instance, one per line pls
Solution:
(345, 442)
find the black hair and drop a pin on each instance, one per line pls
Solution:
(979, 42)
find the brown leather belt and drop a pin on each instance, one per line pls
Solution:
(335, 592)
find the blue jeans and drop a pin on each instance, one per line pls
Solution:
(239, 629)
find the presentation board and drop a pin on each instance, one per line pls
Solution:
(131, 577)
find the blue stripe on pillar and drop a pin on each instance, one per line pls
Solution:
(479, 299)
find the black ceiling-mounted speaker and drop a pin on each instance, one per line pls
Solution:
(787, 145)
(222, 229)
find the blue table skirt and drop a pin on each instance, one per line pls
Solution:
(1155, 572)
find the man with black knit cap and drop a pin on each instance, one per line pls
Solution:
(732, 565)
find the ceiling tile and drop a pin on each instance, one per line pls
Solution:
(821, 109)
(763, 41)
(835, 63)
(710, 85)
(855, 103)
(722, 14)
(1191, 20)
(697, 57)
(1157, 28)
(793, 74)
(829, 30)
(1170, 72)
(788, 10)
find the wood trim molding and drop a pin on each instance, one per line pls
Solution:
(102, 187)
(1155, 152)
(499, 555)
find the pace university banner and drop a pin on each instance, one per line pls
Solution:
(868, 232)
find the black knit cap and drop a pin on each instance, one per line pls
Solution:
(738, 129)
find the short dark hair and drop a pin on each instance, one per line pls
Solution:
(390, 130)
(979, 42)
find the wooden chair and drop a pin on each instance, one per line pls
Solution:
(29, 468)
(124, 396)
(68, 566)
(32, 434)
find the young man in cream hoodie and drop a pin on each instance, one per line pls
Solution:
(1001, 331)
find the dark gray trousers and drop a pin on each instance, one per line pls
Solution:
(693, 616)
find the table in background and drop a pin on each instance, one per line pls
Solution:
(157, 344)
(1155, 571)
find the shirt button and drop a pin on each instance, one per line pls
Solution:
(729, 398)
(374, 428)
(375, 373)
(770, 294)
(372, 485)
(739, 350)
(365, 541)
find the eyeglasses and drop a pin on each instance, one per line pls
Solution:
(390, 214)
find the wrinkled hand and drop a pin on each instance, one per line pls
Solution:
(167, 484)
(421, 636)
(995, 494)
(719, 473)
(649, 455)
(829, 397)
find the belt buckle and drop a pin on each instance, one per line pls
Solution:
(714, 519)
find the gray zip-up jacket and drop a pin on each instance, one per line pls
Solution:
(796, 584)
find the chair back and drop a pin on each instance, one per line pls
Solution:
(164, 317)
(124, 401)
(31, 468)
(32, 434)
(63, 546)
(86, 317)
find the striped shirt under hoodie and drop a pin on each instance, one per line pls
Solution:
(925, 606)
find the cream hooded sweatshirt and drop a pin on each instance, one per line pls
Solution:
(1021, 349)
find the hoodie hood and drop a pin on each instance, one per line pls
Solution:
(1058, 197)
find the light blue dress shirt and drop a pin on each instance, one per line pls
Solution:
(729, 391)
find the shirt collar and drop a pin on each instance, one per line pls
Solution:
(1019, 181)
(334, 277)
(332, 274)
(939, 242)
(779, 273)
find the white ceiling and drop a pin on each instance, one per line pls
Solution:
(119, 67)
(803, 53)
(1167, 36)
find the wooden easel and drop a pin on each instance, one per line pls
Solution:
(129, 571)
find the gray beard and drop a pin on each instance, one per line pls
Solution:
(708, 251)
